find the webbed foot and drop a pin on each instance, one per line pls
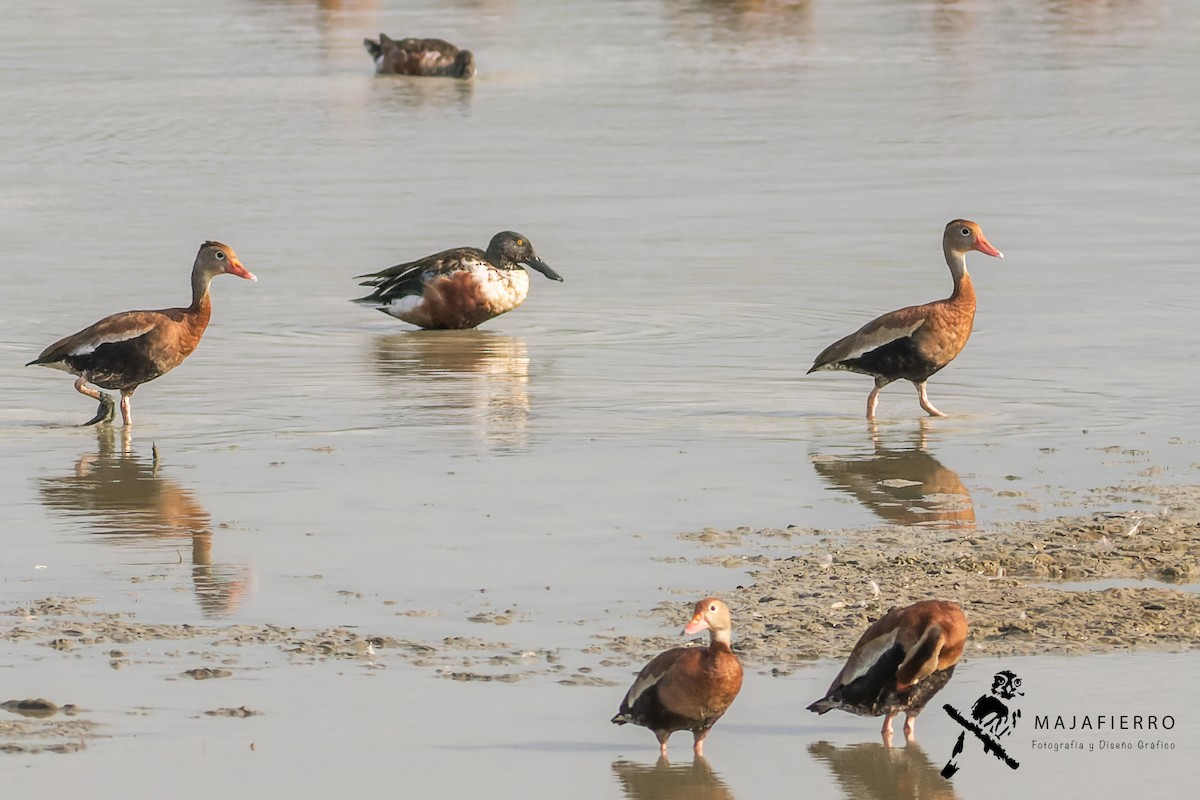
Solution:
(106, 412)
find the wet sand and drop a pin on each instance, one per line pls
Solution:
(809, 595)
(1023, 585)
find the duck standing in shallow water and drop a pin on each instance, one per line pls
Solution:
(432, 58)
(128, 349)
(914, 343)
(458, 288)
(899, 664)
(687, 688)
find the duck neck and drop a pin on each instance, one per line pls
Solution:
(495, 256)
(720, 640)
(201, 304)
(964, 290)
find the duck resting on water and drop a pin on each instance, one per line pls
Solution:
(458, 288)
(434, 58)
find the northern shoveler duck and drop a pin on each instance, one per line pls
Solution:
(899, 664)
(687, 688)
(914, 343)
(458, 288)
(433, 58)
(125, 350)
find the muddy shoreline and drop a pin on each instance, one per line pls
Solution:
(812, 592)
(808, 596)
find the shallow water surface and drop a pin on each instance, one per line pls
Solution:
(347, 728)
(726, 188)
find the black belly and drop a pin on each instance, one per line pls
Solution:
(649, 712)
(895, 360)
(117, 365)
(875, 692)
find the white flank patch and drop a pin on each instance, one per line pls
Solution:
(403, 305)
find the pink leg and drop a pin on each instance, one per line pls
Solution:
(662, 742)
(910, 727)
(872, 401)
(925, 404)
(107, 408)
(698, 747)
(126, 411)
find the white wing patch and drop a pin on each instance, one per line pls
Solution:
(866, 342)
(647, 680)
(860, 663)
(83, 348)
(643, 684)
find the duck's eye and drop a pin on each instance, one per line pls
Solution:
(966, 231)
(520, 242)
(220, 256)
(712, 608)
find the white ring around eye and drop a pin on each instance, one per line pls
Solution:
(220, 256)
(966, 231)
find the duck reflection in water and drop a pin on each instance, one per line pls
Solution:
(662, 781)
(405, 93)
(904, 485)
(121, 496)
(873, 771)
(456, 379)
(745, 20)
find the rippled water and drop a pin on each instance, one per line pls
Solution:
(726, 187)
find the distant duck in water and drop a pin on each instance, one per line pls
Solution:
(914, 343)
(128, 349)
(429, 57)
(899, 664)
(458, 288)
(687, 688)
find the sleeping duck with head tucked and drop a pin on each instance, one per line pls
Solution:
(434, 58)
(459, 288)
(899, 663)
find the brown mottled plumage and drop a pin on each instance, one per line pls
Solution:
(434, 58)
(125, 350)
(899, 663)
(915, 342)
(687, 688)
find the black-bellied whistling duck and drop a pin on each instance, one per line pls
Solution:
(687, 688)
(458, 288)
(899, 664)
(433, 58)
(125, 350)
(914, 343)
